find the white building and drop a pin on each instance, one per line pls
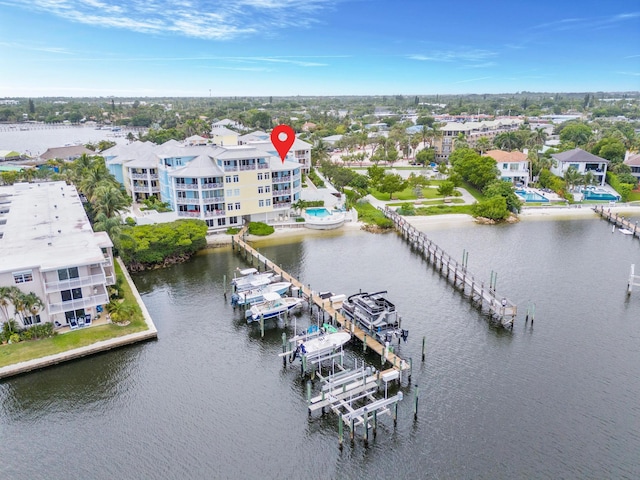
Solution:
(582, 161)
(513, 166)
(49, 248)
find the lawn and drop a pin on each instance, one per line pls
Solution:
(428, 193)
(28, 350)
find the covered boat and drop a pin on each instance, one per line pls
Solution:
(249, 297)
(376, 314)
(273, 306)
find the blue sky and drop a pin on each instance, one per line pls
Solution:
(149, 48)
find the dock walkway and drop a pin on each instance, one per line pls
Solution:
(618, 220)
(324, 305)
(500, 307)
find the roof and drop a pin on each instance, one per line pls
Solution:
(201, 166)
(4, 154)
(633, 160)
(577, 155)
(72, 151)
(47, 227)
(222, 131)
(502, 156)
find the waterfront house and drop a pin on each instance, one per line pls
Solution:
(54, 253)
(633, 161)
(68, 153)
(513, 166)
(582, 161)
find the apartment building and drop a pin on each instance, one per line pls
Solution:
(221, 185)
(472, 131)
(49, 248)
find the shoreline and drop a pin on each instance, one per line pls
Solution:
(422, 221)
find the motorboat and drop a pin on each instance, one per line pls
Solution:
(249, 297)
(273, 305)
(318, 341)
(374, 313)
(251, 279)
(625, 231)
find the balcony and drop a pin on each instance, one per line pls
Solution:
(188, 201)
(57, 286)
(230, 168)
(248, 167)
(186, 186)
(283, 179)
(210, 200)
(282, 205)
(263, 166)
(189, 214)
(214, 213)
(76, 304)
(144, 176)
(211, 186)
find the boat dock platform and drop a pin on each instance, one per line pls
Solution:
(618, 221)
(324, 306)
(500, 308)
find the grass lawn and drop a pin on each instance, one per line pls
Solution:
(428, 193)
(445, 209)
(28, 350)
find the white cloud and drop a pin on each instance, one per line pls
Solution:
(192, 18)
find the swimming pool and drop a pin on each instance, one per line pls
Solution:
(318, 212)
(599, 195)
(531, 196)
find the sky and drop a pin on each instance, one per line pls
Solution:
(200, 48)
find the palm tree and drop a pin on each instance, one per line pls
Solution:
(109, 200)
(506, 141)
(572, 177)
(460, 141)
(319, 152)
(111, 225)
(538, 136)
(7, 295)
(32, 304)
(93, 177)
(483, 144)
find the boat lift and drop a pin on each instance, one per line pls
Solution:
(342, 390)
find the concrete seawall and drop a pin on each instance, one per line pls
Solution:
(150, 334)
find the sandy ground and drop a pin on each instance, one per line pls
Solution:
(438, 221)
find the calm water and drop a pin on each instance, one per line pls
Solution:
(38, 138)
(210, 398)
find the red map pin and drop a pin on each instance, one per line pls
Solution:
(282, 138)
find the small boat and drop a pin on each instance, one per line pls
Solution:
(375, 314)
(251, 279)
(327, 340)
(273, 306)
(625, 231)
(248, 297)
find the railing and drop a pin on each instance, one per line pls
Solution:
(282, 205)
(143, 176)
(283, 191)
(78, 303)
(189, 214)
(263, 166)
(210, 186)
(283, 179)
(214, 213)
(186, 186)
(210, 200)
(188, 201)
(60, 285)
(229, 168)
(248, 167)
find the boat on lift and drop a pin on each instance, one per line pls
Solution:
(374, 313)
(273, 305)
(249, 297)
(250, 279)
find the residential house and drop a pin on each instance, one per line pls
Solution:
(633, 160)
(68, 153)
(582, 161)
(54, 253)
(513, 166)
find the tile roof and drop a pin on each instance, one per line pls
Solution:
(502, 156)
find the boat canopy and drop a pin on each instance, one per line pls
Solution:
(271, 296)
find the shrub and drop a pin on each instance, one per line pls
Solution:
(232, 231)
(260, 229)
(14, 338)
(494, 208)
(299, 219)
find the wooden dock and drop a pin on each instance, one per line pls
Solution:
(500, 307)
(325, 306)
(617, 220)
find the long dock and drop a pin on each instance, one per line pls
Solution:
(617, 220)
(324, 305)
(499, 306)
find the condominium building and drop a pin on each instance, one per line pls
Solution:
(218, 184)
(472, 131)
(49, 249)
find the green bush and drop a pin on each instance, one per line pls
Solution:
(260, 229)
(494, 208)
(232, 231)
(299, 219)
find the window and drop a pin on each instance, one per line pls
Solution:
(229, 192)
(237, 205)
(23, 277)
(259, 176)
(267, 189)
(68, 273)
(266, 176)
(227, 179)
(261, 203)
(236, 192)
(260, 189)
(182, 194)
(73, 294)
(505, 166)
(268, 202)
(229, 206)
(32, 320)
(222, 222)
(180, 181)
(233, 220)
(236, 178)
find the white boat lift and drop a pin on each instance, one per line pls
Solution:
(634, 280)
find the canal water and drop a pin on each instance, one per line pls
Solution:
(210, 399)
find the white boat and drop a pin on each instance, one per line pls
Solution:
(625, 231)
(251, 279)
(375, 314)
(322, 343)
(273, 306)
(249, 297)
